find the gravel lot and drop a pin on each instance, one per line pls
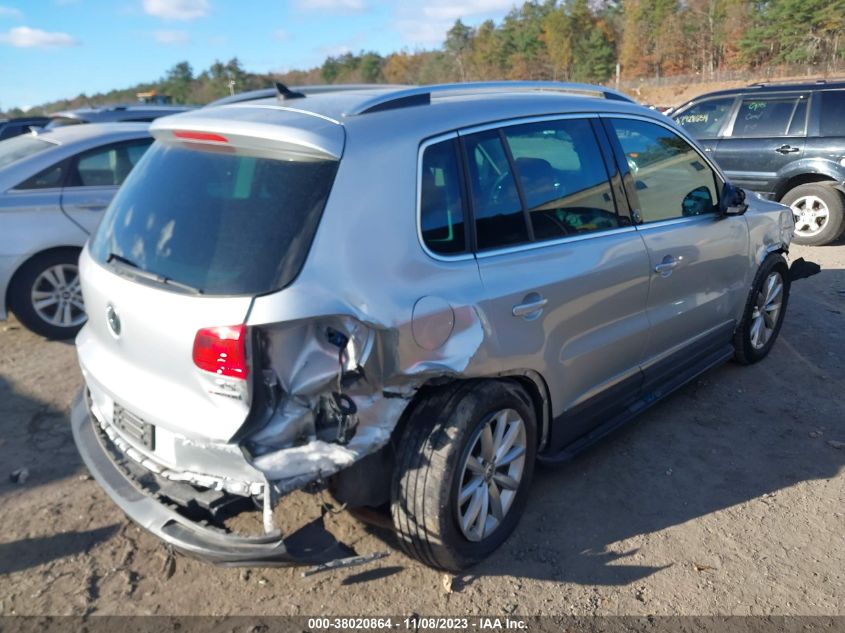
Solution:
(725, 499)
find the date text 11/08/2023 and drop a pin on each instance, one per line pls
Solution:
(417, 623)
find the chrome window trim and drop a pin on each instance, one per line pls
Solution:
(681, 220)
(524, 121)
(531, 246)
(528, 246)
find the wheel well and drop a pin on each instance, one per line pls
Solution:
(48, 251)
(803, 179)
(373, 472)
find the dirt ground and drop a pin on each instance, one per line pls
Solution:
(725, 499)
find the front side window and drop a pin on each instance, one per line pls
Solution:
(563, 178)
(441, 207)
(108, 166)
(705, 119)
(765, 117)
(671, 180)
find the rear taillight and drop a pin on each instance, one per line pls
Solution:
(222, 350)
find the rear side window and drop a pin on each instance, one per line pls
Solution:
(224, 223)
(765, 117)
(832, 120)
(110, 165)
(705, 119)
(499, 218)
(49, 178)
(564, 182)
(441, 206)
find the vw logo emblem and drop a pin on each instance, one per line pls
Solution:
(113, 320)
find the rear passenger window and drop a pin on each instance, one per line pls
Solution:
(108, 166)
(765, 117)
(441, 208)
(832, 120)
(563, 178)
(499, 219)
(671, 180)
(704, 120)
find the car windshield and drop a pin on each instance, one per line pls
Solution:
(224, 223)
(20, 147)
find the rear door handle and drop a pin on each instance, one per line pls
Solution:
(787, 149)
(529, 307)
(665, 268)
(93, 206)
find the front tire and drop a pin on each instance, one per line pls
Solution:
(819, 213)
(764, 311)
(46, 296)
(464, 465)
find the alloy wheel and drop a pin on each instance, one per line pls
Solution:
(56, 296)
(764, 317)
(491, 474)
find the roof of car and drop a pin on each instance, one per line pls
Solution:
(772, 87)
(317, 120)
(67, 134)
(119, 111)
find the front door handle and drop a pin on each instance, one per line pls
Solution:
(532, 305)
(93, 206)
(665, 268)
(787, 149)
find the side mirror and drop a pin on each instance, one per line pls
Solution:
(733, 200)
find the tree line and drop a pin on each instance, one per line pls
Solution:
(570, 40)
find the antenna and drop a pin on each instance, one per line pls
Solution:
(283, 93)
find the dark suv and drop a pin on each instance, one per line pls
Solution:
(786, 141)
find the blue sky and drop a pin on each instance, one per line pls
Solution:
(51, 49)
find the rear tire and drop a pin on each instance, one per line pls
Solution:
(45, 294)
(764, 311)
(819, 212)
(459, 487)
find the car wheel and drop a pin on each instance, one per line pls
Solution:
(464, 466)
(46, 296)
(819, 213)
(764, 311)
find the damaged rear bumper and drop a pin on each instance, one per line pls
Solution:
(186, 536)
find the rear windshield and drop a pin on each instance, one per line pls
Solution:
(20, 147)
(222, 223)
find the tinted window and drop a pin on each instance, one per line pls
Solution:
(49, 178)
(110, 165)
(832, 121)
(563, 178)
(704, 120)
(764, 117)
(671, 179)
(798, 125)
(499, 219)
(222, 222)
(441, 208)
(20, 147)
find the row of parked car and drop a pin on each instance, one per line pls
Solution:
(409, 295)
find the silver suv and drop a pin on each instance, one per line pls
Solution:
(409, 297)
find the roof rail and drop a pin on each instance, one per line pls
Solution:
(422, 95)
(794, 82)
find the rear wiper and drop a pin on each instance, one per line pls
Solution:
(146, 274)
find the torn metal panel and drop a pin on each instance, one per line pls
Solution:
(312, 366)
